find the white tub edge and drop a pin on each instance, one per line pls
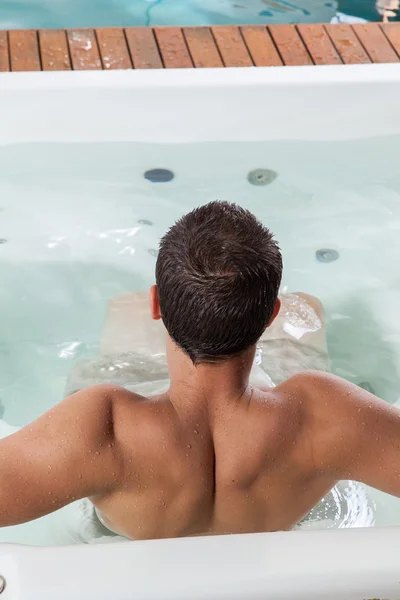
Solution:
(353, 564)
(320, 75)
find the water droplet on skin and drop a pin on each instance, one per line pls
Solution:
(97, 453)
(196, 431)
(189, 446)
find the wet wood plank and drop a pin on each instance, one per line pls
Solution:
(375, 43)
(290, 45)
(54, 50)
(347, 44)
(231, 46)
(319, 45)
(173, 49)
(143, 48)
(202, 47)
(24, 50)
(4, 54)
(113, 49)
(260, 46)
(84, 49)
(392, 33)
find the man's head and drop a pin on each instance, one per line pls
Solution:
(218, 275)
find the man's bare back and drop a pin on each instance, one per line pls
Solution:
(166, 467)
(213, 455)
(250, 469)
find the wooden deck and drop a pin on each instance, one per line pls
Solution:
(199, 47)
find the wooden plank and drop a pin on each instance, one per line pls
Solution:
(319, 45)
(347, 44)
(173, 49)
(392, 33)
(290, 45)
(54, 50)
(231, 46)
(143, 48)
(375, 43)
(24, 50)
(84, 49)
(4, 54)
(261, 47)
(113, 48)
(202, 47)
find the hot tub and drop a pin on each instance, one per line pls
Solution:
(93, 168)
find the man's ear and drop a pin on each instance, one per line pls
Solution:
(155, 310)
(275, 313)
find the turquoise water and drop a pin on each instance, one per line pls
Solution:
(60, 264)
(99, 13)
(80, 224)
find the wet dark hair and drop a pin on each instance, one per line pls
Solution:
(218, 275)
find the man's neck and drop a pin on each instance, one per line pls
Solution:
(207, 387)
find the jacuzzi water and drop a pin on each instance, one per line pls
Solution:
(80, 224)
(106, 13)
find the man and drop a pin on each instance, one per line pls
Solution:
(213, 454)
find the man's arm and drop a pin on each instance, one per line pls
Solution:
(67, 454)
(355, 435)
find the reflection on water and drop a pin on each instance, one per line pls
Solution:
(346, 505)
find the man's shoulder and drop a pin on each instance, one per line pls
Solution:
(309, 383)
(312, 394)
(113, 393)
(118, 397)
(327, 401)
(113, 402)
